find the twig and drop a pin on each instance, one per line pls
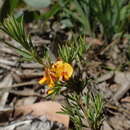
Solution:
(117, 108)
(8, 50)
(31, 65)
(7, 62)
(31, 75)
(5, 66)
(14, 125)
(23, 93)
(109, 46)
(19, 85)
(105, 77)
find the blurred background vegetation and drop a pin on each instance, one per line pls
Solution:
(104, 19)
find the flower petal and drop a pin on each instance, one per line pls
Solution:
(43, 80)
(50, 91)
(68, 70)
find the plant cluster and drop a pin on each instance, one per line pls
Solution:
(104, 17)
(106, 20)
(96, 18)
(84, 109)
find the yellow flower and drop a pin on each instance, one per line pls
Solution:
(60, 71)
(63, 71)
(48, 79)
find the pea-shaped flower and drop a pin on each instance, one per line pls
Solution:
(59, 71)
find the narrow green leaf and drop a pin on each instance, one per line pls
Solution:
(7, 8)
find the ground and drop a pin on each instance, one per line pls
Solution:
(108, 64)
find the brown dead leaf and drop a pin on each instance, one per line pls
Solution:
(126, 99)
(94, 41)
(48, 109)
